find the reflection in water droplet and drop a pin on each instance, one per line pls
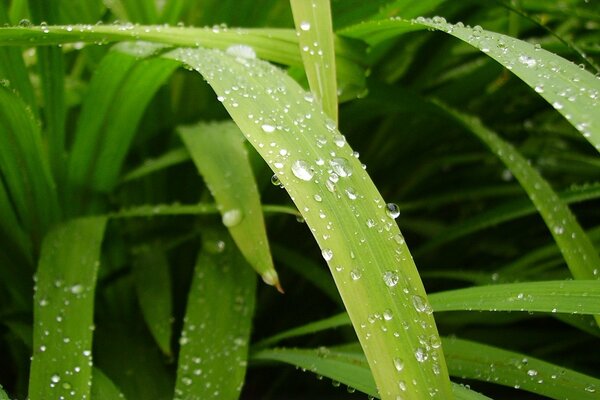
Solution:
(392, 210)
(355, 274)
(305, 25)
(341, 167)
(390, 278)
(398, 364)
(327, 254)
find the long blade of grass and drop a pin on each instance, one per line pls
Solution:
(51, 66)
(214, 341)
(156, 210)
(486, 363)
(278, 45)
(61, 364)
(110, 116)
(373, 269)
(170, 158)
(507, 212)
(24, 167)
(152, 282)
(219, 154)
(349, 368)
(577, 297)
(577, 249)
(315, 38)
(572, 91)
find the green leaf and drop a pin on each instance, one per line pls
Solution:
(578, 297)
(214, 341)
(571, 90)
(25, 168)
(473, 360)
(103, 388)
(219, 154)
(315, 38)
(577, 249)
(3, 395)
(155, 210)
(63, 310)
(348, 367)
(152, 281)
(278, 45)
(110, 116)
(372, 268)
(170, 158)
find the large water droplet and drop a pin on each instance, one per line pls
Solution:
(305, 26)
(420, 304)
(327, 254)
(302, 170)
(232, 217)
(421, 355)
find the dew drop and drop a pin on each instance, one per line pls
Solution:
(241, 51)
(398, 364)
(355, 274)
(420, 303)
(302, 170)
(341, 167)
(232, 217)
(391, 278)
(267, 128)
(275, 181)
(388, 315)
(392, 210)
(55, 378)
(420, 355)
(305, 25)
(327, 254)
(350, 193)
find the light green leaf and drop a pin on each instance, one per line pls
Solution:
(152, 282)
(170, 158)
(571, 90)
(64, 310)
(578, 297)
(216, 332)
(372, 268)
(156, 210)
(347, 367)
(315, 38)
(219, 154)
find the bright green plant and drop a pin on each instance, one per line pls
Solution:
(143, 284)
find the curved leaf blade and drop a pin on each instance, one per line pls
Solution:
(63, 311)
(219, 154)
(214, 341)
(308, 154)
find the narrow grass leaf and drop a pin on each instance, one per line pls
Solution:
(110, 116)
(214, 341)
(152, 282)
(25, 168)
(141, 11)
(367, 256)
(347, 367)
(103, 388)
(577, 297)
(315, 38)
(571, 90)
(61, 364)
(473, 360)
(577, 249)
(506, 212)
(152, 165)
(219, 154)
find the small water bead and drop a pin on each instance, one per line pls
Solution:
(392, 210)
(398, 364)
(241, 51)
(339, 140)
(305, 26)
(267, 128)
(420, 304)
(399, 239)
(391, 278)
(532, 372)
(350, 193)
(355, 274)
(55, 378)
(77, 289)
(529, 62)
(318, 198)
(302, 170)
(275, 181)
(232, 217)
(327, 254)
(421, 355)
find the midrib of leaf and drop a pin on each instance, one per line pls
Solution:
(302, 136)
